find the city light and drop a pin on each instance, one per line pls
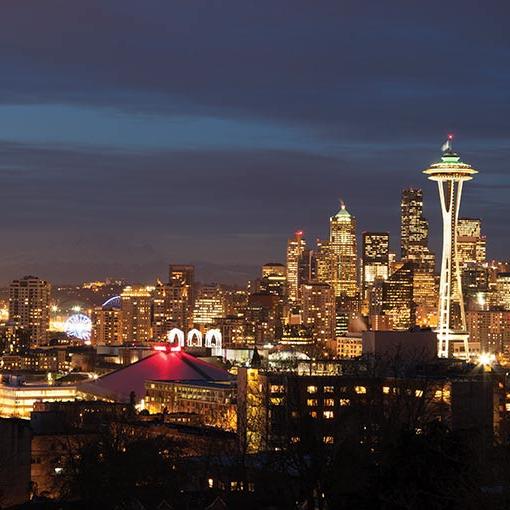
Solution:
(486, 359)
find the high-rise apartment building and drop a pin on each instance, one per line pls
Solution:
(375, 262)
(471, 244)
(296, 252)
(29, 307)
(489, 329)
(342, 239)
(414, 230)
(106, 326)
(318, 302)
(398, 302)
(136, 315)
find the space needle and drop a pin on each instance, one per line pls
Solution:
(450, 174)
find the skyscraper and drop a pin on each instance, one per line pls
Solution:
(179, 295)
(450, 173)
(375, 262)
(414, 230)
(209, 305)
(398, 300)
(136, 315)
(326, 263)
(342, 239)
(296, 251)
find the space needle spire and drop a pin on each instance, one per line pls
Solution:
(450, 173)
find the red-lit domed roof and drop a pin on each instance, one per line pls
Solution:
(161, 366)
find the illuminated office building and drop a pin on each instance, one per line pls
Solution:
(326, 263)
(318, 302)
(136, 315)
(179, 295)
(503, 291)
(374, 258)
(29, 307)
(343, 244)
(475, 286)
(274, 269)
(471, 244)
(450, 174)
(232, 331)
(296, 252)
(398, 303)
(274, 279)
(414, 230)
(425, 297)
(209, 305)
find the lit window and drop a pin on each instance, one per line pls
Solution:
(311, 389)
(295, 439)
(386, 390)
(438, 395)
(311, 402)
(210, 482)
(329, 415)
(328, 440)
(277, 388)
(329, 389)
(418, 393)
(276, 401)
(360, 389)
(313, 414)
(345, 402)
(329, 402)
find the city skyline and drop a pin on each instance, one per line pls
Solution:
(238, 272)
(92, 150)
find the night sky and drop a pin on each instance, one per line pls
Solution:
(138, 133)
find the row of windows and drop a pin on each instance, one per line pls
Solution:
(331, 389)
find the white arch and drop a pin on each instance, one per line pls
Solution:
(216, 335)
(173, 334)
(195, 333)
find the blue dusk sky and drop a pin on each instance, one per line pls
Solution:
(134, 134)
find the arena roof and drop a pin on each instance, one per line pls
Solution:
(160, 366)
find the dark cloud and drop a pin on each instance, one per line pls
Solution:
(374, 85)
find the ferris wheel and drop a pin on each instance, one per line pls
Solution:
(78, 326)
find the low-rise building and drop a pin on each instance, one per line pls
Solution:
(213, 401)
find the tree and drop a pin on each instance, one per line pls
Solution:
(121, 467)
